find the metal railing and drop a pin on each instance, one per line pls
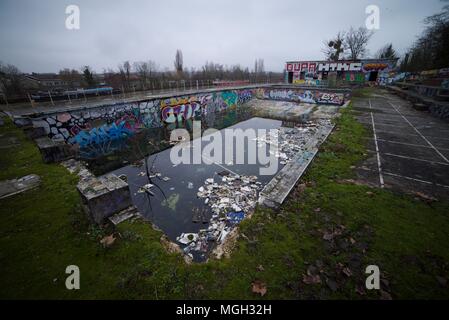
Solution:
(80, 98)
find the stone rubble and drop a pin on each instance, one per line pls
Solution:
(231, 199)
(290, 141)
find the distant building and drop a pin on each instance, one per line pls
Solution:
(47, 80)
(349, 71)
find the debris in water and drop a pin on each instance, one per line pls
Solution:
(230, 200)
(186, 238)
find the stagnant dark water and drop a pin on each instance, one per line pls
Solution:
(173, 202)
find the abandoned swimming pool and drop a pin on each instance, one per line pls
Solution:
(196, 205)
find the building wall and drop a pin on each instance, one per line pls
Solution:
(314, 72)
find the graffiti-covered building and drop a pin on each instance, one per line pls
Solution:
(350, 71)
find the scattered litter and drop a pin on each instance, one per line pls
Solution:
(230, 201)
(235, 217)
(186, 238)
(190, 185)
(146, 188)
(165, 179)
(259, 287)
(107, 241)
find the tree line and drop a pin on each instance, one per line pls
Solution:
(430, 50)
(147, 74)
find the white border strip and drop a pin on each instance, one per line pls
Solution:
(379, 166)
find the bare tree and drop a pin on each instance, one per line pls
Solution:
(387, 52)
(10, 79)
(259, 69)
(125, 72)
(178, 62)
(335, 47)
(356, 41)
(145, 70)
(71, 76)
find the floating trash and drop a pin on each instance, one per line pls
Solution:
(186, 238)
(235, 217)
(230, 200)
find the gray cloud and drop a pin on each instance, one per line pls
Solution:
(33, 34)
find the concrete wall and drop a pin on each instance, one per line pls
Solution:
(87, 126)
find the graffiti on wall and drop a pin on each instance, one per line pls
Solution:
(101, 134)
(101, 125)
(84, 127)
(303, 71)
(300, 95)
(179, 109)
(97, 125)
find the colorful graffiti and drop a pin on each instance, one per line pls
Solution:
(101, 134)
(330, 98)
(95, 126)
(300, 95)
(181, 112)
(306, 72)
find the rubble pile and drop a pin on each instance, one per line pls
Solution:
(290, 141)
(230, 200)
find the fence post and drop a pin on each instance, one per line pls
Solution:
(31, 100)
(51, 99)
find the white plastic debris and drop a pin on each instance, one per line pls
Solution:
(186, 238)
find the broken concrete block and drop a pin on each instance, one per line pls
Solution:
(104, 196)
(124, 215)
(11, 187)
(52, 151)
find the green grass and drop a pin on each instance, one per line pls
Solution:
(43, 230)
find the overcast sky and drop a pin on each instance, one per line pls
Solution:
(34, 37)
